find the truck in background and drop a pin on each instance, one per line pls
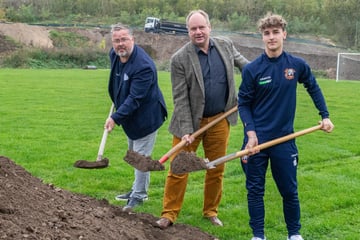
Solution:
(156, 25)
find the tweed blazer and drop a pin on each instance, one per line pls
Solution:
(188, 85)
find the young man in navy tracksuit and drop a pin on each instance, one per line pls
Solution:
(267, 103)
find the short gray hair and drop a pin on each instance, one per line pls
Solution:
(202, 12)
(118, 26)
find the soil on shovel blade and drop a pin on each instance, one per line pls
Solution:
(142, 163)
(103, 163)
(186, 162)
(31, 209)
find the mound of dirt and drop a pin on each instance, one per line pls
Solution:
(30, 209)
(35, 36)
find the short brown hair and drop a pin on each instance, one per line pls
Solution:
(271, 20)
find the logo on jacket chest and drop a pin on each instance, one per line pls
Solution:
(289, 73)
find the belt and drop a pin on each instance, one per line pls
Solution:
(209, 119)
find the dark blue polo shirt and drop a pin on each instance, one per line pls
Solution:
(215, 80)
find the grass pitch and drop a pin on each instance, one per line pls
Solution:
(51, 118)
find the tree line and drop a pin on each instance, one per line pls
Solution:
(337, 19)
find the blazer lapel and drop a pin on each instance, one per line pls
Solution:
(195, 63)
(224, 58)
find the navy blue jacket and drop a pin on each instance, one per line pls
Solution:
(267, 94)
(139, 103)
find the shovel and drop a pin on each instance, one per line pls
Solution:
(186, 162)
(144, 164)
(100, 161)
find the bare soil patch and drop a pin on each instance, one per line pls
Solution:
(30, 209)
(33, 36)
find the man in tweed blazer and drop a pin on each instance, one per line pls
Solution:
(203, 87)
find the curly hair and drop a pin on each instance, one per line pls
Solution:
(271, 20)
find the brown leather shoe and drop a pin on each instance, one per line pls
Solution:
(215, 221)
(163, 223)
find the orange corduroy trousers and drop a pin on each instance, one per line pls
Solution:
(215, 142)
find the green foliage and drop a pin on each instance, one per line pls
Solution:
(2, 13)
(15, 60)
(238, 23)
(342, 20)
(147, 12)
(51, 118)
(335, 19)
(320, 73)
(25, 13)
(56, 59)
(67, 39)
(164, 66)
(299, 24)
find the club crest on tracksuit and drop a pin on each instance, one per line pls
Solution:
(289, 73)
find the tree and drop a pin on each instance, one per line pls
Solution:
(335, 18)
(342, 20)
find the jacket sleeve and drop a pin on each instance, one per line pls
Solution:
(245, 98)
(239, 60)
(182, 117)
(312, 87)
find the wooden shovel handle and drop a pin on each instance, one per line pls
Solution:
(268, 144)
(104, 137)
(196, 134)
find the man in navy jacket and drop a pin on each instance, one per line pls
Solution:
(140, 105)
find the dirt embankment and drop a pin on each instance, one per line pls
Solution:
(319, 55)
(30, 209)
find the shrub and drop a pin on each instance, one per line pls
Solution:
(67, 39)
(238, 22)
(56, 58)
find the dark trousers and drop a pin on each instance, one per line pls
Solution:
(283, 163)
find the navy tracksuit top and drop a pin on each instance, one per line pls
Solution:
(267, 94)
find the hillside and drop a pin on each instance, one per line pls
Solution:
(317, 52)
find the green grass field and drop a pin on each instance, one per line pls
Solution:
(51, 118)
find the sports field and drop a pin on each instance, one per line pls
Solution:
(51, 118)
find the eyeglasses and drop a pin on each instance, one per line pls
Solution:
(121, 40)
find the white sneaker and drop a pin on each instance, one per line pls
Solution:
(295, 237)
(257, 238)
